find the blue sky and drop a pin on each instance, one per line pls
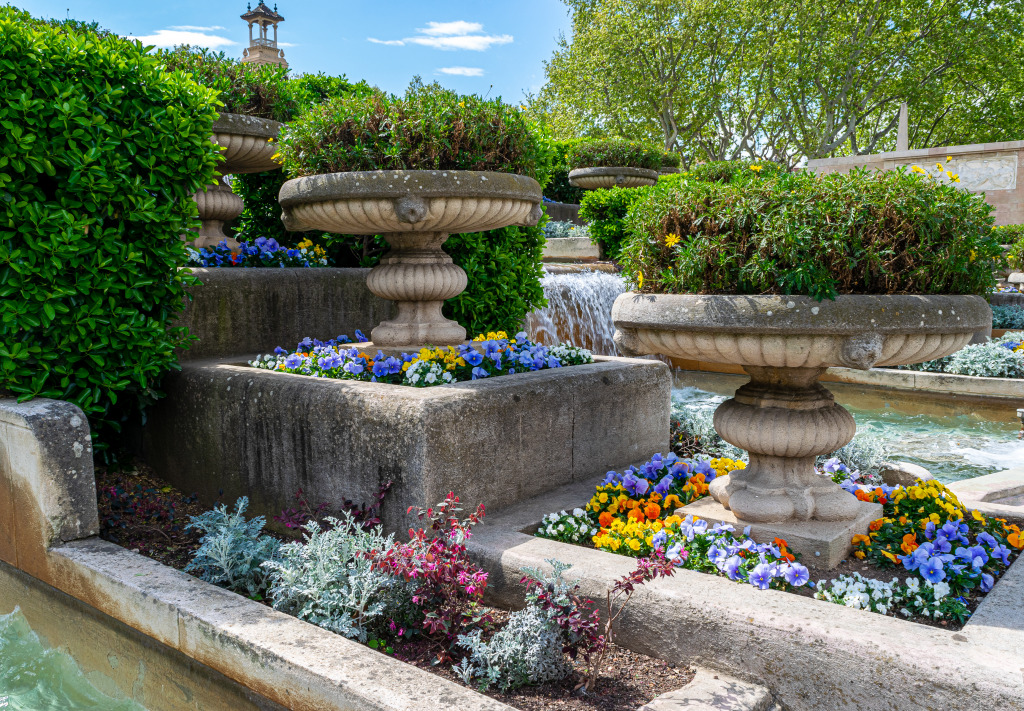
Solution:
(467, 46)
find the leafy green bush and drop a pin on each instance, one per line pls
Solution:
(253, 89)
(734, 171)
(605, 211)
(614, 153)
(999, 358)
(558, 188)
(670, 159)
(102, 152)
(855, 233)
(1013, 236)
(429, 128)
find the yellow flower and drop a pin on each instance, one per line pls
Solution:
(917, 169)
(671, 240)
(640, 280)
(756, 168)
(949, 158)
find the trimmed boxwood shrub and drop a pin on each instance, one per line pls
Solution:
(613, 153)
(605, 212)
(428, 128)
(102, 152)
(734, 171)
(862, 232)
(670, 159)
(261, 90)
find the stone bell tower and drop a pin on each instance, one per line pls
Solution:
(263, 49)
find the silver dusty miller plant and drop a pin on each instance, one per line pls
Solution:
(232, 550)
(329, 580)
(527, 650)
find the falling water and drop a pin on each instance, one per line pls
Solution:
(579, 309)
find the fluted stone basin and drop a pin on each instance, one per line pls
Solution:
(784, 417)
(595, 178)
(415, 211)
(246, 149)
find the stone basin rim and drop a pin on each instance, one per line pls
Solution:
(602, 170)
(393, 184)
(849, 314)
(245, 125)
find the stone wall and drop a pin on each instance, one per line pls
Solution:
(990, 168)
(563, 212)
(251, 311)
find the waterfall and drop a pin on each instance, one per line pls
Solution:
(579, 309)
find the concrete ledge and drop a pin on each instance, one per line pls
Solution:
(1007, 299)
(709, 691)
(571, 248)
(810, 654)
(998, 495)
(226, 430)
(237, 310)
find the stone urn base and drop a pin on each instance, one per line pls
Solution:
(604, 177)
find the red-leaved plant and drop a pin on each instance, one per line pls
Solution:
(450, 587)
(366, 515)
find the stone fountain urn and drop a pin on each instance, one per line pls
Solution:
(246, 149)
(415, 211)
(784, 418)
(604, 177)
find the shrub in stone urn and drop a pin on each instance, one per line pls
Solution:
(256, 100)
(613, 163)
(413, 169)
(670, 162)
(787, 276)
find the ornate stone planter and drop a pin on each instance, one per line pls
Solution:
(246, 150)
(415, 211)
(594, 178)
(668, 170)
(784, 417)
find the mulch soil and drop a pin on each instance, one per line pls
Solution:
(145, 514)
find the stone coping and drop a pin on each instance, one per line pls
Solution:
(244, 125)
(848, 314)
(916, 153)
(391, 184)
(810, 654)
(999, 494)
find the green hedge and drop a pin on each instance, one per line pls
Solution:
(102, 152)
(1013, 236)
(558, 188)
(856, 233)
(605, 211)
(614, 153)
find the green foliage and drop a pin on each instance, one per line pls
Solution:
(1012, 235)
(856, 233)
(614, 153)
(102, 152)
(605, 212)
(995, 359)
(429, 128)
(734, 171)
(558, 188)
(670, 159)
(253, 89)
(1011, 317)
(504, 270)
(233, 550)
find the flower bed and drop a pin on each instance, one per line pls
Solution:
(262, 252)
(950, 555)
(491, 355)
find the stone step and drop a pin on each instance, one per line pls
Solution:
(712, 691)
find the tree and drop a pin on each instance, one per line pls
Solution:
(788, 79)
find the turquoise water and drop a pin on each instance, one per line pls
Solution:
(953, 439)
(34, 677)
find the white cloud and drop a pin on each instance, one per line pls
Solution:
(456, 35)
(459, 27)
(194, 28)
(462, 71)
(476, 43)
(287, 44)
(172, 38)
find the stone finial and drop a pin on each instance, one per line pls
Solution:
(903, 130)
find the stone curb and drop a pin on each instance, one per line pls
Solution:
(810, 654)
(711, 691)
